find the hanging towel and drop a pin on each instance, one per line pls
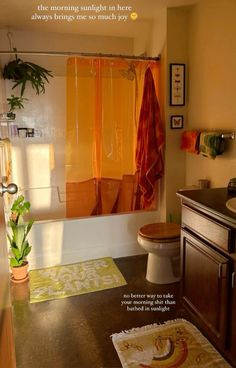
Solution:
(211, 144)
(150, 142)
(190, 141)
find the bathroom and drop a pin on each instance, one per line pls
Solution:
(200, 36)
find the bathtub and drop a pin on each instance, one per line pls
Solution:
(58, 240)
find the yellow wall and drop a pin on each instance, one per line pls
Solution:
(176, 52)
(202, 36)
(212, 85)
(169, 38)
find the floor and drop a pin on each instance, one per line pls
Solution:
(75, 332)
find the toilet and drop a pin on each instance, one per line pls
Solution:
(162, 242)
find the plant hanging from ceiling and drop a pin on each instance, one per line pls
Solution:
(24, 72)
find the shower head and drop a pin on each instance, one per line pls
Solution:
(129, 73)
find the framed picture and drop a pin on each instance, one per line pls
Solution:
(176, 121)
(177, 84)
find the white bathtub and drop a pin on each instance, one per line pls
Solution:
(66, 241)
(57, 240)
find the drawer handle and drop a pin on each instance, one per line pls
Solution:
(233, 280)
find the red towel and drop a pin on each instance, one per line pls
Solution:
(190, 141)
(150, 141)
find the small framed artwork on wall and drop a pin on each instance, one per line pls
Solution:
(176, 121)
(177, 84)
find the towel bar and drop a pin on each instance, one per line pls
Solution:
(230, 135)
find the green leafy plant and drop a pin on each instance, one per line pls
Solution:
(19, 245)
(15, 102)
(23, 72)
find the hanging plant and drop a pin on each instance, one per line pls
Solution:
(23, 72)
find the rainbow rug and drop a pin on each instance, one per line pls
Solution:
(74, 279)
(173, 344)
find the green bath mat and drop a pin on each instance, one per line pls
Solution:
(74, 279)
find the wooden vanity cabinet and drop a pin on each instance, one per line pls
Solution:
(232, 322)
(208, 284)
(205, 279)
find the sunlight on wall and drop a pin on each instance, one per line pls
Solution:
(47, 241)
(39, 174)
(18, 169)
(31, 166)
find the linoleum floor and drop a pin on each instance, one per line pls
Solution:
(75, 332)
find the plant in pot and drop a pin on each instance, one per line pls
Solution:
(14, 103)
(19, 245)
(23, 72)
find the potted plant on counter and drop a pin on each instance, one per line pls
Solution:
(19, 245)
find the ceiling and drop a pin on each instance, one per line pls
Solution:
(17, 15)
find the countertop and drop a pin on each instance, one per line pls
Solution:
(213, 200)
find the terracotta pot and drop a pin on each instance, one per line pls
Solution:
(20, 274)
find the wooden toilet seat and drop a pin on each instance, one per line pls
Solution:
(164, 232)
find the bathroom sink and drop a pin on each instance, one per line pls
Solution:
(231, 204)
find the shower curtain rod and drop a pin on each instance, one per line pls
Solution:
(82, 54)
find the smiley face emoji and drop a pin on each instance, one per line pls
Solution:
(133, 16)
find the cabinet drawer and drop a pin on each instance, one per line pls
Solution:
(214, 232)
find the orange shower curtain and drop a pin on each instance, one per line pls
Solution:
(103, 106)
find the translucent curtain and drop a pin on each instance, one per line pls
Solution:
(103, 104)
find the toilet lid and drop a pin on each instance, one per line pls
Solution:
(160, 231)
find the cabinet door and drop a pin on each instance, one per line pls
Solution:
(232, 323)
(205, 277)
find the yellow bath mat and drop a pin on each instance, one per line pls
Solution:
(74, 279)
(174, 344)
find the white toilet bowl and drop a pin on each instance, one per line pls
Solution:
(162, 242)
